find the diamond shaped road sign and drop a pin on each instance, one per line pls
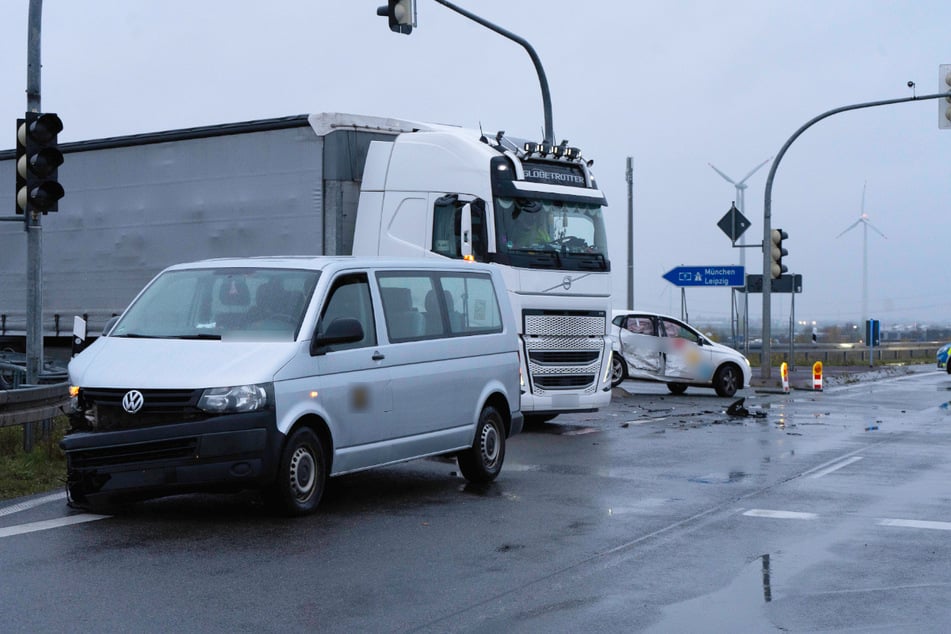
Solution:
(733, 223)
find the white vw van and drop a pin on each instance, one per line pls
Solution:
(277, 373)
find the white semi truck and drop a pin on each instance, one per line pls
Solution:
(332, 184)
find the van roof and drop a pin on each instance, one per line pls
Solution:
(324, 262)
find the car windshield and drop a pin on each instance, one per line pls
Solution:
(233, 303)
(554, 233)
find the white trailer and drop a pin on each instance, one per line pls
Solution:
(332, 184)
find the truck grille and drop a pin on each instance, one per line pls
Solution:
(564, 350)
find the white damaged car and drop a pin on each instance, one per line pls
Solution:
(652, 347)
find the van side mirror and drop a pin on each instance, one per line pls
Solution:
(341, 330)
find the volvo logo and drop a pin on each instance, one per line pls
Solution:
(132, 401)
(566, 283)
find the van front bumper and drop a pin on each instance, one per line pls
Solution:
(226, 452)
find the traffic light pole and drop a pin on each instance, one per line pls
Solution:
(767, 244)
(542, 78)
(34, 230)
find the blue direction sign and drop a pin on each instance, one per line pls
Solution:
(706, 276)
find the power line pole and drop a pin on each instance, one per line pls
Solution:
(630, 233)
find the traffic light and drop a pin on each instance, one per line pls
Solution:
(944, 104)
(776, 253)
(38, 159)
(401, 14)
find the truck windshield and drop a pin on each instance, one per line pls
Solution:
(214, 304)
(537, 233)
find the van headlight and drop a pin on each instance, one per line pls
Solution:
(240, 398)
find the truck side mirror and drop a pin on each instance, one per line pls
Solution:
(465, 232)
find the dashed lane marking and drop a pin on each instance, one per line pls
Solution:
(45, 525)
(939, 526)
(782, 515)
(835, 467)
(31, 504)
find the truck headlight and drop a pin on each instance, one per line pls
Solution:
(240, 398)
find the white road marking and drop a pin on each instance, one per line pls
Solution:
(33, 527)
(835, 467)
(832, 462)
(30, 504)
(939, 526)
(782, 515)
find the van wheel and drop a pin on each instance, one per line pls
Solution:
(677, 388)
(302, 474)
(727, 380)
(483, 461)
(618, 371)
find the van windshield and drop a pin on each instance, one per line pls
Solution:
(247, 304)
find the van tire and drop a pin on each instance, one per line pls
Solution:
(677, 388)
(302, 474)
(483, 461)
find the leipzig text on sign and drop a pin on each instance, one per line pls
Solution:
(705, 276)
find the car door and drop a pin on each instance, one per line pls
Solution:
(686, 358)
(640, 347)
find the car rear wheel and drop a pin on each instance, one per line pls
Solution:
(618, 371)
(727, 380)
(677, 388)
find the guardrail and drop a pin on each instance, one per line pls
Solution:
(806, 354)
(29, 405)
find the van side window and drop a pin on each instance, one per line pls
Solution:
(471, 303)
(404, 300)
(350, 297)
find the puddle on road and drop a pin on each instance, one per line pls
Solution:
(739, 607)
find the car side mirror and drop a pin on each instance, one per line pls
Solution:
(341, 330)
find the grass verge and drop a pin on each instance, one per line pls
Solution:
(40, 470)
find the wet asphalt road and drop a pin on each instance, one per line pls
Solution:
(658, 514)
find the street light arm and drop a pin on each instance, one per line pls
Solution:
(542, 79)
(765, 358)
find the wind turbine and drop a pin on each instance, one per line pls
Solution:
(740, 197)
(864, 221)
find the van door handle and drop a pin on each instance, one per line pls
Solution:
(378, 356)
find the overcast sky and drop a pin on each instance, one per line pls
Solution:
(676, 85)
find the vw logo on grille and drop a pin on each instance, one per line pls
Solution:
(132, 401)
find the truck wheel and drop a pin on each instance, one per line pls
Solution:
(677, 388)
(727, 380)
(618, 371)
(302, 474)
(483, 461)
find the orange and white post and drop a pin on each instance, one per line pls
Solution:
(817, 376)
(784, 372)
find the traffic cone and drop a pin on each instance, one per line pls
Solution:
(817, 376)
(784, 372)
